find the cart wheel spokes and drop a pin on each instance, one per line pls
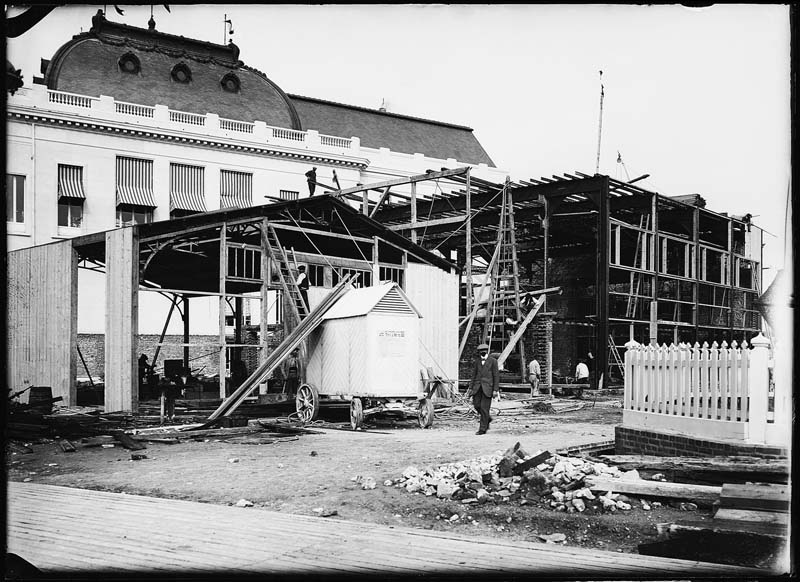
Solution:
(307, 403)
(425, 413)
(356, 413)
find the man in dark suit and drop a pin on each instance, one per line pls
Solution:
(485, 382)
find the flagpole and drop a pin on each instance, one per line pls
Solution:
(600, 128)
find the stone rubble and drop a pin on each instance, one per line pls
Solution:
(557, 483)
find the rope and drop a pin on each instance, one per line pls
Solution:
(350, 234)
(430, 211)
(472, 215)
(309, 240)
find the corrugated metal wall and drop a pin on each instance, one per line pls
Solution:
(43, 319)
(122, 296)
(435, 294)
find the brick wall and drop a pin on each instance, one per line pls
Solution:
(629, 441)
(203, 360)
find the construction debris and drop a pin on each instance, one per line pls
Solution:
(563, 483)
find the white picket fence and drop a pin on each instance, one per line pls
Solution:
(717, 392)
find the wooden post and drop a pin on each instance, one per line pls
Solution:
(266, 275)
(653, 336)
(122, 295)
(601, 326)
(758, 389)
(223, 269)
(376, 270)
(696, 274)
(546, 245)
(468, 243)
(365, 202)
(414, 211)
(185, 331)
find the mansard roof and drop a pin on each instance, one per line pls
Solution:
(91, 64)
(148, 67)
(399, 133)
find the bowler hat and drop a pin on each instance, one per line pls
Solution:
(483, 347)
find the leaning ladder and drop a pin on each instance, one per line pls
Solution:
(504, 271)
(277, 253)
(617, 360)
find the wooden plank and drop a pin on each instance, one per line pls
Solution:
(532, 462)
(703, 493)
(762, 496)
(127, 532)
(751, 516)
(714, 469)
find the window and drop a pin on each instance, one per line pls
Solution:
(288, 195)
(391, 274)
(316, 275)
(186, 190)
(230, 83)
(714, 266)
(129, 63)
(244, 263)
(631, 248)
(677, 257)
(128, 214)
(362, 279)
(235, 189)
(135, 200)
(181, 73)
(70, 196)
(15, 198)
(70, 212)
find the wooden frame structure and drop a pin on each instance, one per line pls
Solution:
(216, 254)
(632, 264)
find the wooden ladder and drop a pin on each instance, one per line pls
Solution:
(616, 358)
(504, 274)
(277, 253)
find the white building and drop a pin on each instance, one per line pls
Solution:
(133, 125)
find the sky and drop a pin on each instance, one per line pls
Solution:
(696, 98)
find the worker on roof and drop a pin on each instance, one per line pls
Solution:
(311, 176)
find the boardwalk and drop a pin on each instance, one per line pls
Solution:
(61, 529)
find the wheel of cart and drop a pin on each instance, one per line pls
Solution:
(425, 417)
(356, 413)
(307, 403)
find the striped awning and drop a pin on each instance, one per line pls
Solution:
(186, 188)
(70, 182)
(135, 182)
(235, 189)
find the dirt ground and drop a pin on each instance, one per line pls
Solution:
(314, 475)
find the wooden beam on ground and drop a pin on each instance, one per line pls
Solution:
(705, 494)
(761, 496)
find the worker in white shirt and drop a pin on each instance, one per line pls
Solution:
(581, 377)
(534, 376)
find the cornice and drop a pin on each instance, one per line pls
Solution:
(193, 140)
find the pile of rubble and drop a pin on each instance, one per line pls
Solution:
(551, 480)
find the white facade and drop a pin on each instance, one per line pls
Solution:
(48, 128)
